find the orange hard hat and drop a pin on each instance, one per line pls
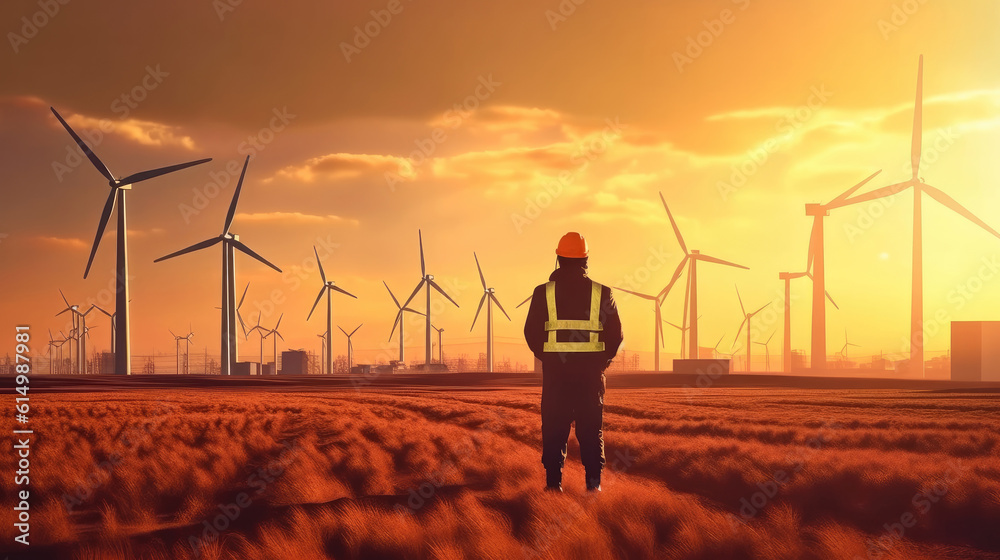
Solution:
(573, 246)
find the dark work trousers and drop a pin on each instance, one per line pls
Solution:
(569, 397)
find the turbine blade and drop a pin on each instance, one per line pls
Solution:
(322, 274)
(438, 288)
(420, 238)
(478, 309)
(239, 245)
(394, 323)
(637, 294)
(172, 333)
(109, 206)
(742, 310)
(319, 297)
(145, 175)
(496, 301)
(356, 329)
(918, 116)
(66, 301)
(949, 202)
(343, 291)
(706, 258)
(240, 304)
(276, 325)
(480, 269)
(415, 292)
(739, 332)
(883, 192)
(673, 279)
(86, 149)
(525, 301)
(236, 198)
(414, 311)
(673, 224)
(394, 300)
(196, 247)
(673, 325)
(343, 331)
(760, 309)
(812, 244)
(844, 195)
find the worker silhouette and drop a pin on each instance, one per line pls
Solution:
(574, 329)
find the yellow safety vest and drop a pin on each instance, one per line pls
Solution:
(554, 324)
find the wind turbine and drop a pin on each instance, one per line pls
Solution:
(691, 258)
(746, 321)
(350, 346)
(440, 343)
(684, 330)
(657, 323)
(919, 188)
(328, 288)
(187, 341)
(399, 321)
(53, 343)
(230, 244)
(489, 298)
(427, 280)
(274, 332)
(767, 352)
(787, 338)
(117, 196)
(843, 350)
(715, 349)
(817, 264)
(262, 334)
(322, 352)
(79, 327)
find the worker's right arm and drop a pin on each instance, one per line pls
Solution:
(534, 324)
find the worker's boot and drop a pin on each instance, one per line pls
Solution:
(553, 480)
(594, 481)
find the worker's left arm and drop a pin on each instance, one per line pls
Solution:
(612, 333)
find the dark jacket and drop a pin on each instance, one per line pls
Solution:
(573, 302)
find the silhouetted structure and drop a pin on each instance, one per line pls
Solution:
(294, 362)
(975, 350)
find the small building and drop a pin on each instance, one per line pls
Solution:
(268, 369)
(246, 368)
(361, 369)
(975, 350)
(294, 362)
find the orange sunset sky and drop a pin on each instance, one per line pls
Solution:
(610, 96)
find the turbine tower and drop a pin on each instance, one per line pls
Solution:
(847, 343)
(767, 351)
(350, 346)
(230, 244)
(746, 321)
(787, 337)
(428, 281)
(691, 259)
(919, 188)
(817, 264)
(399, 321)
(274, 333)
(181, 369)
(440, 343)
(489, 298)
(123, 365)
(329, 286)
(76, 334)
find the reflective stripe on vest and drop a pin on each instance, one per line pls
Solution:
(554, 324)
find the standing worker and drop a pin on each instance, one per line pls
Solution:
(574, 329)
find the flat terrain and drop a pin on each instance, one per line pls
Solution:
(750, 467)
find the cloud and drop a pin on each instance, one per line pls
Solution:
(72, 243)
(146, 133)
(345, 165)
(294, 218)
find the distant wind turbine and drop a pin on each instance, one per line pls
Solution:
(399, 321)
(350, 346)
(767, 351)
(489, 298)
(440, 343)
(274, 340)
(329, 286)
(428, 281)
(746, 321)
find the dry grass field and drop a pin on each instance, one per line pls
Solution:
(754, 473)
